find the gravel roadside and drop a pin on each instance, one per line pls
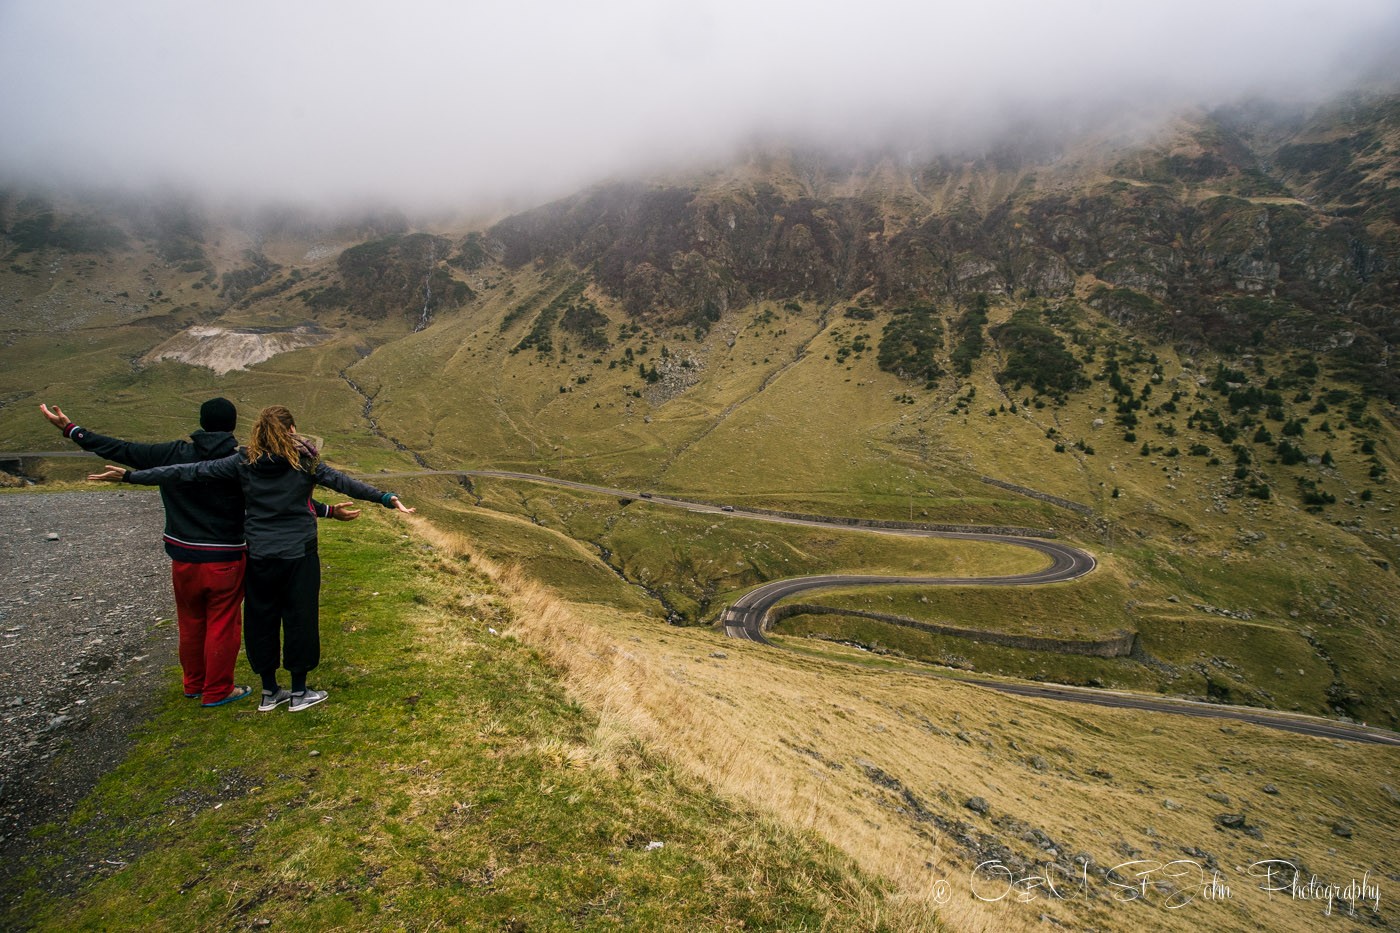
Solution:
(87, 643)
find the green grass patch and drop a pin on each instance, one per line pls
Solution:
(1094, 607)
(1241, 662)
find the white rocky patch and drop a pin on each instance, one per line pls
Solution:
(225, 349)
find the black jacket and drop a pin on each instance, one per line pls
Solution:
(280, 513)
(203, 521)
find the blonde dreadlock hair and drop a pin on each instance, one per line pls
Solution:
(272, 435)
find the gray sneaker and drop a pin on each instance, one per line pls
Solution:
(271, 701)
(310, 698)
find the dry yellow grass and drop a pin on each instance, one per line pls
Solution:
(882, 764)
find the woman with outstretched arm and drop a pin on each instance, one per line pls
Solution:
(278, 471)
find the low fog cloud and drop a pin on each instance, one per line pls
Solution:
(434, 102)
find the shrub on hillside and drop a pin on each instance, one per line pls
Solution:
(1036, 356)
(969, 332)
(910, 344)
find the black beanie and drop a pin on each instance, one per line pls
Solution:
(218, 414)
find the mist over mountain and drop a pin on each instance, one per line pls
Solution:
(439, 105)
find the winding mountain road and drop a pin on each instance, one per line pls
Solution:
(748, 616)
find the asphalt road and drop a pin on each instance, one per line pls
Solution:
(747, 617)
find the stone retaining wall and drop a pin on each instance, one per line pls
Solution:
(1042, 496)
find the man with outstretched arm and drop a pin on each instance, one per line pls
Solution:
(204, 540)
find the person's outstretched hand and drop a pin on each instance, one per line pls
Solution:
(398, 504)
(55, 415)
(342, 512)
(112, 474)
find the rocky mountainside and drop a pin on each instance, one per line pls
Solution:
(1235, 229)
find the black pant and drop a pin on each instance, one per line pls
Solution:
(283, 595)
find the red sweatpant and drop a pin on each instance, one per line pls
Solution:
(209, 609)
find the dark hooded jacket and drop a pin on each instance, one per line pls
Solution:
(203, 521)
(280, 513)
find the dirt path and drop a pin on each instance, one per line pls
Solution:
(86, 650)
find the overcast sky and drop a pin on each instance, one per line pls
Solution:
(431, 102)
